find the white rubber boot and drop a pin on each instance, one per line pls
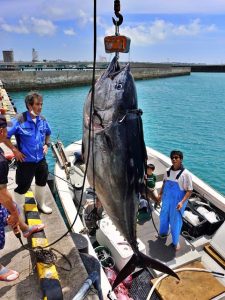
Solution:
(19, 198)
(40, 195)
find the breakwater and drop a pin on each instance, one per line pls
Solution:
(27, 80)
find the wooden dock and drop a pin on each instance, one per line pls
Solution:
(14, 256)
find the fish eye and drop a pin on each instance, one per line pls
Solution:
(119, 86)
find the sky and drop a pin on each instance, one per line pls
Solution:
(187, 31)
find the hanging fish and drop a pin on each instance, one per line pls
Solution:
(119, 155)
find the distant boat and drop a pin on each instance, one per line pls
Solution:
(203, 242)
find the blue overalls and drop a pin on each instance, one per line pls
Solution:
(172, 195)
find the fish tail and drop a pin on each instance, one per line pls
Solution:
(142, 261)
(126, 271)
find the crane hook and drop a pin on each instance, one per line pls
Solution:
(118, 15)
(120, 21)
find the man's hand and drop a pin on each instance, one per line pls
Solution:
(159, 198)
(13, 219)
(179, 205)
(45, 149)
(18, 155)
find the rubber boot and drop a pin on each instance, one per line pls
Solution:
(40, 195)
(19, 198)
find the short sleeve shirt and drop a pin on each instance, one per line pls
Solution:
(184, 181)
(151, 180)
(30, 136)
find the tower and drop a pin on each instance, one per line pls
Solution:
(34, 55)
(8, 55)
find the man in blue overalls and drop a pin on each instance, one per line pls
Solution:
(176, 189)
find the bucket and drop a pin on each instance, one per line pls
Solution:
(81, 242)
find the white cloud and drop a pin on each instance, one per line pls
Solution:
(30, 25)
(211, 28)
(69, 31)
(42, 27)
(83, 18)
(20, 28)
(171, 6)
(194, 28)
(160, 30)
(70, 9)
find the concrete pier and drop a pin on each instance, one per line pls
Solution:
(15, 257)
(28, 80)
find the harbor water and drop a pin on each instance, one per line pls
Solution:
(185, 113)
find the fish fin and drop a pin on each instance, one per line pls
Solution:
(142, 261)
(126, 271)
(146, 261)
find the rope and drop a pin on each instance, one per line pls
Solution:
(92, 108)
(46, 256)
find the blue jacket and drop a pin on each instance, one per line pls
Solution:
(30, 136)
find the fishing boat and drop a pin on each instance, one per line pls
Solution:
(201, 259)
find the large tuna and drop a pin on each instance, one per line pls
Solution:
(118, 152)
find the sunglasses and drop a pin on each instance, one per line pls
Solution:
(175, 157)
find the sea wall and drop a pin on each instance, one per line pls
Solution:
(28, 80)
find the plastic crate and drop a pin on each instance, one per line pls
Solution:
(211, 227)
(194, 231)
(107, 235)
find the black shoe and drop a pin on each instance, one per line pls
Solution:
(156, 205)
(162, 236)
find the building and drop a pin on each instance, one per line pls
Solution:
(8, 55)
(34, 55)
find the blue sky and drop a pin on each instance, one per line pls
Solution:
(160, 30)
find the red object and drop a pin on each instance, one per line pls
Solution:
(117, 43)
(128, 281)
(2, 111)
(9, 156)
(111, 275)
(122, 292)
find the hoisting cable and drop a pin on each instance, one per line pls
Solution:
(68, 182)
(44, 252)
(92, 107)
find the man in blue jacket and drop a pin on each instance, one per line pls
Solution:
(32, 134)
